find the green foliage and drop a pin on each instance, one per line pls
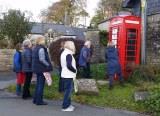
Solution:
(96, 19)
(1, 33)
(145, 73)
(98, 71)
(104, 36)
(15, 25)
(1, 36)
(106, 9)
(152, 104)
(119, 97)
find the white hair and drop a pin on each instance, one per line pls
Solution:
(27, 43)
(70, 45)
(88, 43)
(110, 43)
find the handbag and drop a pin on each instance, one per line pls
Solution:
(20, 78)
(75, 85)
(48, 78)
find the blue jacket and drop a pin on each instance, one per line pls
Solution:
(113, 61)
(37, 65)
(17, 62)
(84, 57)
(27, 60)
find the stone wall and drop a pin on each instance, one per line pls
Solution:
(6, 59)
(99, 51)
(153, 39)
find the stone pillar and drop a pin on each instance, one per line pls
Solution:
(93, 36)
(153, 39)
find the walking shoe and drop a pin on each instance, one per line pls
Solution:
(69, 109)
(110, 87)
(43, 103)
(72, 106)
(26, 97)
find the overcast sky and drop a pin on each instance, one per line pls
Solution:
(35, 6)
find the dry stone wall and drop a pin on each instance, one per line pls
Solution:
(153, 39)
(6, 59)
(98, 51)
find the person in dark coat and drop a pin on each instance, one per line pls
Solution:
(61, 87)
(40, 64)
(17, 68)
(113, 65)
(84, 59)
(27, 67)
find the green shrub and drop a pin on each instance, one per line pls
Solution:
(98, 71)
(152, 104)
(104, 36)
(145, 73)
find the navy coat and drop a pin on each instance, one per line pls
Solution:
(85, 56)
(113, 65)
(37, 65)
(27, 60)
(17, 62)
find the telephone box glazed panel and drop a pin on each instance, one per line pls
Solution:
(125, 33)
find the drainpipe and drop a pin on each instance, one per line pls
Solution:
(144, 30)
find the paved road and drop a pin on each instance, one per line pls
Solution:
(10, 105)
(6, 76)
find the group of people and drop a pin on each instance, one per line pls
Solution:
(29, 60)
(32, 59)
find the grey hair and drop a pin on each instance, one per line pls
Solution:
(27, 43)
(87, 43)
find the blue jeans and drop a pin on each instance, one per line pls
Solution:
(68, 88)
(38, 96)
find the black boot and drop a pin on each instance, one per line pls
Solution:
(110, 87)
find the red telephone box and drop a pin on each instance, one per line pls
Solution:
(125, 33)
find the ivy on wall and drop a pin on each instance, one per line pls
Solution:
(104, 36)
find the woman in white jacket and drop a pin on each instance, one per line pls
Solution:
(68, 74)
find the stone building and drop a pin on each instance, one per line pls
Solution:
(55, 30)
(153, 26)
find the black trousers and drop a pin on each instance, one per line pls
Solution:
(26, 87)
(86, 71)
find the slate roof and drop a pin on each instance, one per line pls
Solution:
(153, 6)
(42, 28)
(128, 3)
